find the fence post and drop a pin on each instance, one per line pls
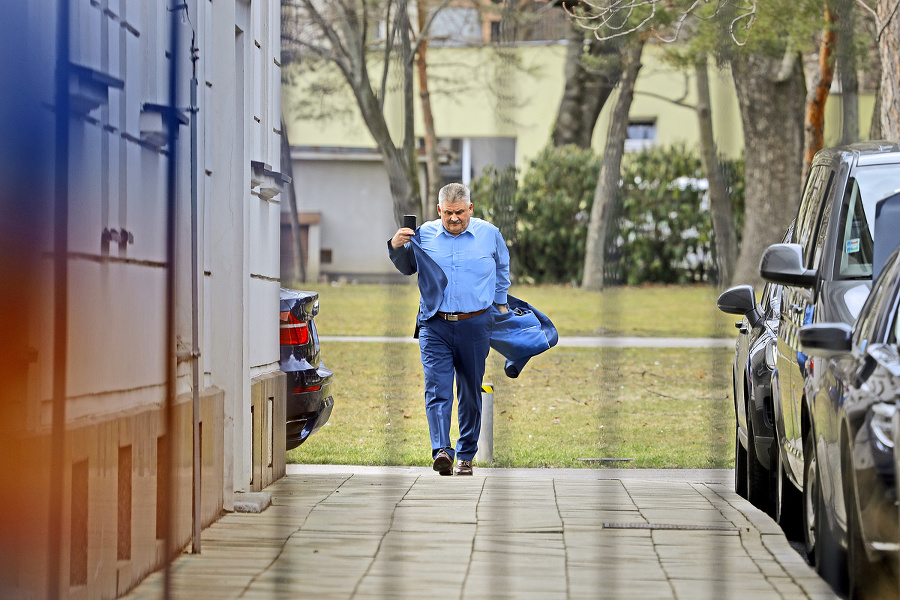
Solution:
(486, 438)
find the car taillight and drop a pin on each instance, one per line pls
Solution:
(312, 388)
(293, 330)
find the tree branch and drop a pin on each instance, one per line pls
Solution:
(675, 101)
(614, 16)
(424, 33)
(863, 4)
(390, 34)
(339, 53)
(321, 51)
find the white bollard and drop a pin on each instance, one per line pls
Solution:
(486, 437)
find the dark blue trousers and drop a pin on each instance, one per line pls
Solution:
(454, 348)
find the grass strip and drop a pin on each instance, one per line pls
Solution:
(645, 311)
(660, 408)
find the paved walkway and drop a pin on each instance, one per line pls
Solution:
(581, 342)
(384, 533)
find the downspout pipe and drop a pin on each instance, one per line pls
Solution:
(195, 307)
(167, 477)
(60, 302)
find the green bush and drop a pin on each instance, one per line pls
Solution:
(553, 205)
(663, 231)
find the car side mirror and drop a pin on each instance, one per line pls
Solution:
(740, 300)
(826, 339)
(783, 263)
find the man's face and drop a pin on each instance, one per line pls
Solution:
(455, 216)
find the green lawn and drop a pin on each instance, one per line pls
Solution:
(649, 311)
(570, 407)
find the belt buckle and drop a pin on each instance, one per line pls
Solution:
(452, 317)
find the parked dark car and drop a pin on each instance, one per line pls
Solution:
(855, 401)
(309, 399)
(754, 362)
(826, 269)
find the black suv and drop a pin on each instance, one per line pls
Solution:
(826, 269)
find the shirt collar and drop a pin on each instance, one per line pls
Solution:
(469, 229)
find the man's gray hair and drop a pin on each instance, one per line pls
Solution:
(453, 192)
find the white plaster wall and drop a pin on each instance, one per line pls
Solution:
(117, 328)
(225, 237)
(357, 212)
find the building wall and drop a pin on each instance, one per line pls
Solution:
(515, 92)
(356, 217)
(484, 93)
(106, 480)
(478, 94)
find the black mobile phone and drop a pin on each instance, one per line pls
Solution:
(409, 221)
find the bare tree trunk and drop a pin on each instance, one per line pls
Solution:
(719, 200)
(346, 28)
(772, 110)
(607, 193)
(299, 270)
(818, 94)
(889, 52)
(847, 75)
(875, 132)
(409, 131)
(586, 89)
(432, 168)
(405, 203)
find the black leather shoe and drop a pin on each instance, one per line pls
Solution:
(463, 467)
(443, 463)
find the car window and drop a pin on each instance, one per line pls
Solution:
(867, 326)
(868, 185)
(855, 243)
(889, 279)
(895, 327)
(810, 209)
(771, 301)
(821, 238)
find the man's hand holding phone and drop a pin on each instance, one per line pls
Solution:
(406, 232)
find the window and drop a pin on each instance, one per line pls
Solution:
(810, 210)
(641, 135)
(823, 227)
(771, 301)
(855, 243)
(495, 31)
(865, 189)
(867, 326)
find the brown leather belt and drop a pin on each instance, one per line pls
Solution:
(459, 316)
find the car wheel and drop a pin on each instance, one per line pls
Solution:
(811, 493)
(788, 502)
(757, 475)
(740, 464)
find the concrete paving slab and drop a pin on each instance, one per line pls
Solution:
(404, 532)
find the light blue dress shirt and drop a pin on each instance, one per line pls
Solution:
(476, 263)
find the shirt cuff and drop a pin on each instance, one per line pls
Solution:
(500, 298)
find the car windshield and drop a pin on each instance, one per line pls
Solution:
(870, 184)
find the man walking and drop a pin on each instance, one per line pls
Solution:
(463, 268)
